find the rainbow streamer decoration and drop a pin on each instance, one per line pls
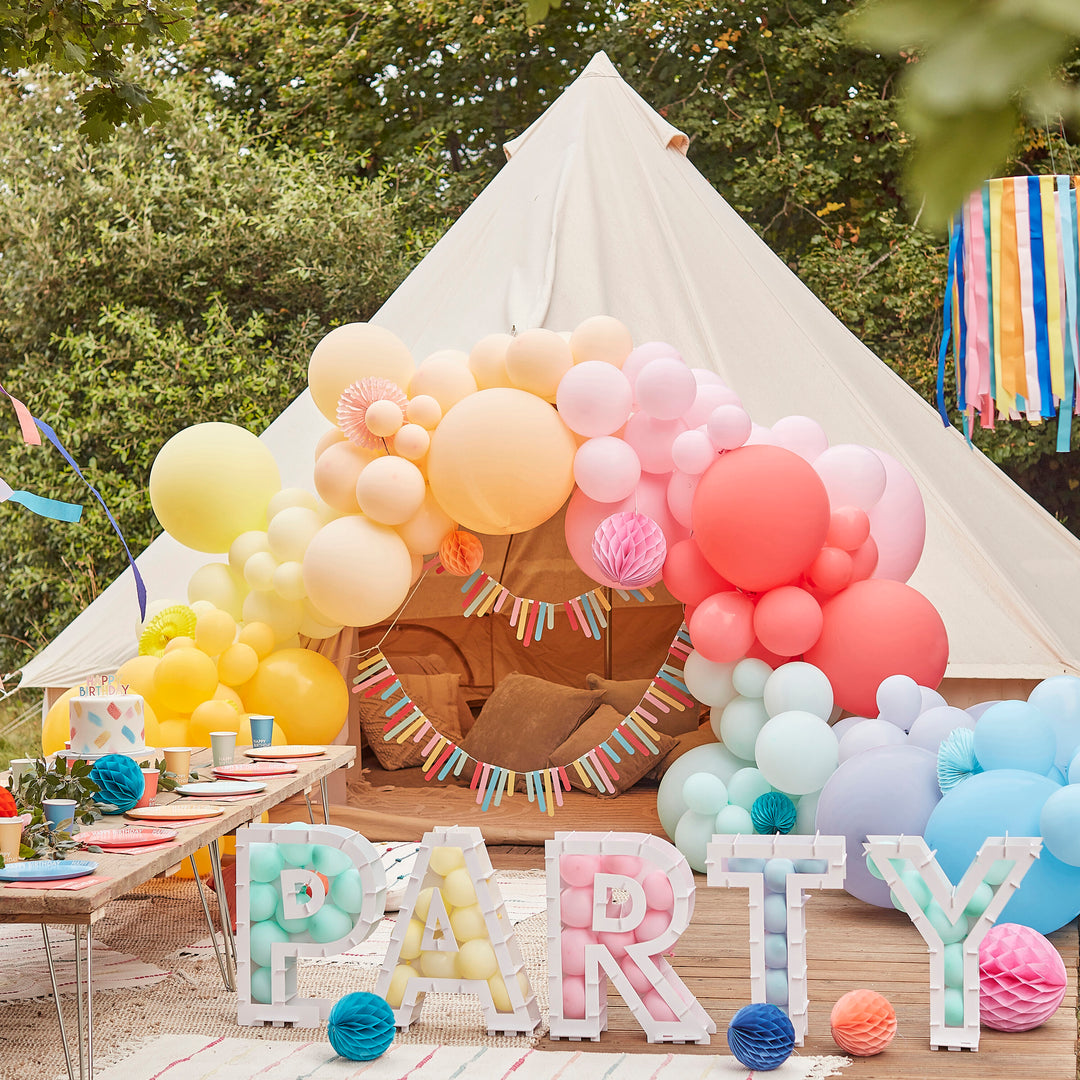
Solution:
(596, 768)
(1011, 298)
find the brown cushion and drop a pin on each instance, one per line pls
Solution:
(685, 742)
(624, 695)
(598, 728)
(525, 719)
(433, 664)
(437, 698)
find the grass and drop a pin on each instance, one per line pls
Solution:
(20, 727)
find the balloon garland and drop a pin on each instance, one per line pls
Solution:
(597, 768)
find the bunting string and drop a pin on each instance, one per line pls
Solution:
(597, 768)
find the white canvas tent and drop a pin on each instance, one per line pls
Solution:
(598, 210)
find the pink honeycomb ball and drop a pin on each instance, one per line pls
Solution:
(1022, 978)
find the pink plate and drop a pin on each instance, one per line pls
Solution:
(250, 769)
(137, 836)
(277, 753)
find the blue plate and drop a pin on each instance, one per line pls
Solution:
(47, 870)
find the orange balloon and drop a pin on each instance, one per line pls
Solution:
(237, 664)
(183, 678)
(227, 693)
(303, 691)
(173, 732)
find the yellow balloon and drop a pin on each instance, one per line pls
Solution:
(501, 996)
(458, 888)
(446, 377)
(281, 615)
(313, 628)
(184, 678)
(390, 490)
(56, 727)
(259, 571)
(352, 352)
(356, 571)
(173, 732)
(212, 715)
(303, 691)
(601, 338)
(291, 530)
(214, 631)
(487, 361)
(181, 641)
(424, 531)
(468, 923)
(227, 693)
(501, 461)
(288, 581)
(402, 974)
(336, 473)
(423, 903)
(220, 585)
(211, 482)
(445, 860)
(439, 965)
(259, 636)
(476, 960)
(246, 545)
(237, 664)
(536, 361)
(151, 725)
(289, 497)
(243, 736)
(410, 945)
(137, 674)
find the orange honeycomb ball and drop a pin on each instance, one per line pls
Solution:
(863, 1023)
(461, 553)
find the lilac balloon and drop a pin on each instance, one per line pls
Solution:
(931, 699)
(606, 468)
(897, 523)
(853, 475)
(868, 734)
(975, 711)
(842, 727)
(899, 700)
(885, 791)
(665, 388)
(934, 726)
(709, 396)
(801, 436)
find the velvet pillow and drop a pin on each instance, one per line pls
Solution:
(525, 719)
(598, 728)
(625, 695)
(437, 698)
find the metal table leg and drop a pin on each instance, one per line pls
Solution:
(56, 1000)
(223, 911)
(310, 812)
(210, 924)
(323, 787)
(89, 1004)
(79, 1005)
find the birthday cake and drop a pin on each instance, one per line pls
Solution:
(110, 724)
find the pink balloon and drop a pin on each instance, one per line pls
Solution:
(579, 870)
(801, 436)
(659, 895)
(729, 427)
(606, 468)
(760, 436)
(722, 628)
(709, 396)
(594, 398)
(652, 440)
(665, 388)
(616, 941)
(653, 924)
(853, 475)
(658, 1008)
(576, 907)
(635, 976)
(572, 942)
(573, 997)
(643, 354)
(705, 377)
(693, 452)
(898, 523)
(680, 497)
(626, 865)
(787, 620)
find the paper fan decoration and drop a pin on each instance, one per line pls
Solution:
(956, 759)
(357, 399)
(461, 553)
(773, 812)
(175, 621)
(630, 549)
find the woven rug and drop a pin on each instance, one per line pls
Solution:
(182, 1057)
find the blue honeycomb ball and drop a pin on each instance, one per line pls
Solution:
(120, 782)
(361, 1027)
(773, 812)
(761, 1037)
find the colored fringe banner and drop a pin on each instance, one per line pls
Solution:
(1010, 310)
(596, 768)
(587, 612)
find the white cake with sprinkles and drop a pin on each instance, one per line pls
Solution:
(106, 724)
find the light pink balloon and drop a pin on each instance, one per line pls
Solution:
(606, 468)
(692, 452)
(572, 943)
(653, 923)
(616, 941)
(573, 997)
(659, 894)
(680, 497)
(576, 907)
(729, 427)
(760, 436)
(665, 388)
(643, 354)
(658, 1008)
(579, 870)
(705, 376)
(594, 398)
(853, 475)
(627, 865)
(897, 523)
(652, 440)
(635, 976)
(801, 436)
(708, 397)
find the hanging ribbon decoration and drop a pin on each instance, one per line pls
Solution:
(597, 768)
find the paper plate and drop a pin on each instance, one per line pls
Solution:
(134, 836)
(210, 789)
(272, 753)
(47, 870)
(253, 770)
(176, 811)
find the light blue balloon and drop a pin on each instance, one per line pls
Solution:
(776, 950)
(1073, 775)
(776, 873)
(954, 965)
(265, 862)
(712, 757)
(263, 935)
(263, 901)
(811, 866)
(347, 891)
(746, 786)
(747, 866)
(1059, 823)
(775, 913)
(1015, 735)
(1058, 699)
(949, 932)
(692, 836)
(734, 821)
(776, 986)
(329, 923)
(330, 861)
(954, 1007)
(705, 793)
(261, 989)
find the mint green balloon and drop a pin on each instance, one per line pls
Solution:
(980, 900)
(330, 861)
(692, 836)
(746, 786)
(265, 862)
(347, 891)
(329, 923)
(262, 936)
(954, 1007)
(712, 757)
(296, 854)
(293, 926)
(261, 989)
(917, 887)
(949, 932)
(734, 819)
(263, 901)
(750, 676)
(740, 723)
(998, 872)
(954, 965)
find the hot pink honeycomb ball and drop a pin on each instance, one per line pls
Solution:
(1022, 978)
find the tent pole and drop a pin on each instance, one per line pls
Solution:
(607, 636)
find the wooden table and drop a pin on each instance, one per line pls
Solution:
(83, 907)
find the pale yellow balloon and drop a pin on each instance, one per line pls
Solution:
(246, 545)
(468, 923)
(412, 442)
(326, 512)
(390, 490)
(425, 411)
(317, 631)
(221, 585)
(237, 664)
(357, 571)
(487, 361)
(336, 473)
(289, 497)
(424, 531)
(445, 860)
(281, 615)
(501, 461)
(259, 636)
(288, 581)
(259, 570)
(211, 482)
(201, 607)
(214, 631)
(352, 352)
(328, 439)
(500, 996)
(394, 994)
(601, 338)
(410, 945)
(439, 965)
(446, 377)
(458, 888)
(290, 531)
(477, 960)
(536, 361)
(423, 903)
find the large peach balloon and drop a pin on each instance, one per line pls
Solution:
(352, 352)
(357, 571)
(211, 482)
(304, 693)
(501, 461)
(336, 473)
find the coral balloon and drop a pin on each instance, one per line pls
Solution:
(220, 585)
(601, 338)
(872, 630)
(461, 553)
(214, 631)
(787, 620)
(357, 571)
(831, 570)
(594, 398)
(849, 528)
(212, 715)
(722, 627)
(353, 352)
(688, 576)
(487, 361)
(390, 490)
(606, 469)
(536, 361)
(446, 377)
(211, 482)
(501, 461)
(304, 693)
(184, 678)
(760, 516)
(237, 664)
(336, 474)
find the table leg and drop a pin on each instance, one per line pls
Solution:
(310, 812)
(56, 999)
(210, 923)
(89, 1004)
(223, 911)
(325, 800)
(79, 1005)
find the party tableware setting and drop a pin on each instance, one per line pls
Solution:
(283, 753)
(209, 789)
(251, 770)
(176, 811)
(131, 836)
(47, 870)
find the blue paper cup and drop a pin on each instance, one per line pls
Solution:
(262, 729)
(59, 813)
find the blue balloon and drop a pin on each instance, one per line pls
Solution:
(996, 803)
(1059, 700)
(776, 874)
(776, 951)
(1060, 824)
(1015, 735)
(775, 913)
